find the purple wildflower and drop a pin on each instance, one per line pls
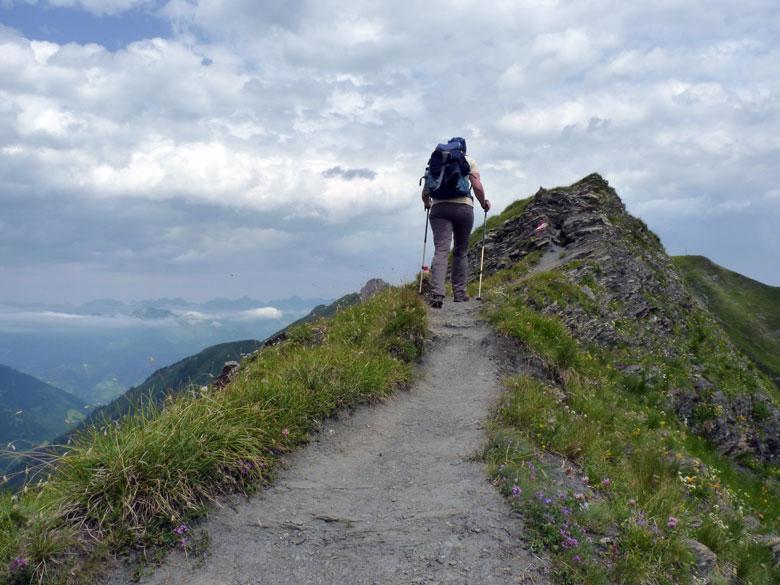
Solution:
(577, 558)
(566, 511)
(183, 542)
(181, 529)
(606, 482)
(516, 491)
(547, 501)
(17, 564)
(671, 522)
(570, 542)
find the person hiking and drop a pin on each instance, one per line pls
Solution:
(447, 192)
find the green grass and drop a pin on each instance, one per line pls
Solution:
(130, 484)
(748, 310)
(643, 466)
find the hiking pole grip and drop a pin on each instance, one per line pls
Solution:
(425, 244)
(482, 259)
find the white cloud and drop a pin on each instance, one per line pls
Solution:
(569, 46)
(262, 313)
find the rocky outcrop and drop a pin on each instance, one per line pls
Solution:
(632, 299)
(373, 286)
(229, 371)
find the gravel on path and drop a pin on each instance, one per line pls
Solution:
(390, 494)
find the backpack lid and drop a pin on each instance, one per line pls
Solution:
(460, 141)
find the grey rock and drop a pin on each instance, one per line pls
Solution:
(372, 287)
(773, 543)
(705, 559)
(229, 371)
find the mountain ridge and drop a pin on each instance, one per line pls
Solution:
(749, 310)
(633, 301)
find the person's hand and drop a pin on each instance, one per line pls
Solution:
(486, 205)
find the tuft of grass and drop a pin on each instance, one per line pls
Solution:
(545, 336)
(132, 483)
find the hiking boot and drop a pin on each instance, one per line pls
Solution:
(437, 301)
(462, 299)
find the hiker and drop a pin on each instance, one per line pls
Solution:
(447, 193)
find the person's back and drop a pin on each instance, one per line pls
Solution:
(452, 215)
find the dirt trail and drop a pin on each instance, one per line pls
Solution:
(388, 495)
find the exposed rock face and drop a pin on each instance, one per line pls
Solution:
(372, 287)
(229, 371)
(635, 302)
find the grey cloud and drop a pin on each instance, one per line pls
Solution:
(348, 174)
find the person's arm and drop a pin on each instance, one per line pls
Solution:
(425, 198)
(479, 190)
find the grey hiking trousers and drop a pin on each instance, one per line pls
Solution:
(448, 220)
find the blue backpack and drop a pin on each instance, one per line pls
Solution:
(447, 173)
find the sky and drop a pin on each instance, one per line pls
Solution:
(205, 148)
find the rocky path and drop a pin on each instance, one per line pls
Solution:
(388, 495)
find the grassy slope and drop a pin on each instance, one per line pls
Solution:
(44, 411)
(611, 483)
(748, 310)
(132, 483)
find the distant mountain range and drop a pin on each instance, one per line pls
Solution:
(98, 349)
(112, 307)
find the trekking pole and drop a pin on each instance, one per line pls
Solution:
(482, 260)
(425, 243)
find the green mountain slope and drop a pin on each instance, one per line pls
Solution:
(196, 370)
(32, 411)
(748, 310)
